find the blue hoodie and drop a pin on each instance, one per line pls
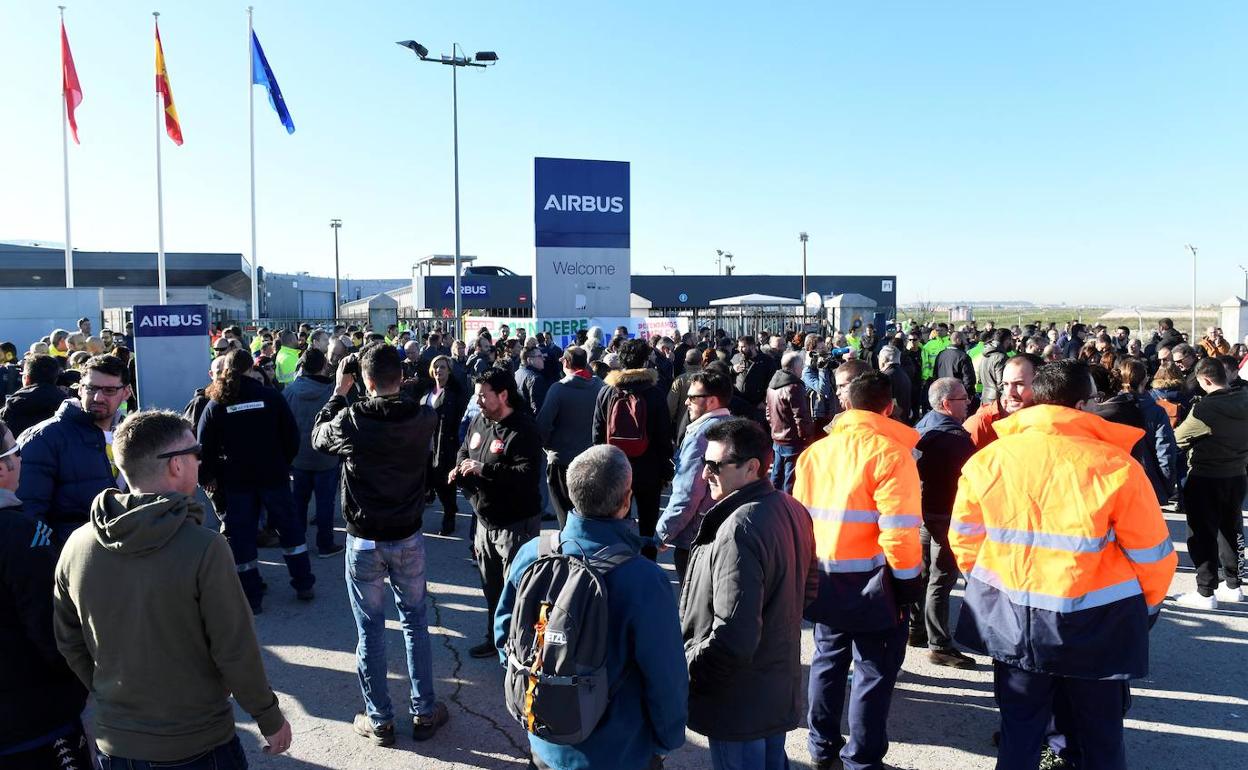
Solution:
(647, 715)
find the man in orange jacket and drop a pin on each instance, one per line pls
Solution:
(1067, 566)
(861, 486)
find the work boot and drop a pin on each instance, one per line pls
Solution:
(951, 658)
(380, 735)
(484, 650)
(426, 725)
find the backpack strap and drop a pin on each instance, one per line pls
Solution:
(547, 543)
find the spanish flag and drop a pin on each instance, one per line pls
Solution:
(172, 126)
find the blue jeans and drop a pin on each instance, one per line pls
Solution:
(325, 486)
(227, 756)
(762, 754)
(242, 519)
(367, 568)
(784, 466)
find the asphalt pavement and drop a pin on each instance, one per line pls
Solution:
(1191, 711)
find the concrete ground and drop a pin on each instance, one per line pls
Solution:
(1192, 710)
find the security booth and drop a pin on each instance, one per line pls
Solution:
(846, 309)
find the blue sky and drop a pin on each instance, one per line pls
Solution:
(1055, 151)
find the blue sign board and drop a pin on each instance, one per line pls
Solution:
(466, 289)
(581, 203)
(170, 321)
(171, 353)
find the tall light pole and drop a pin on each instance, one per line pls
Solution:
(1245, 269)
(336, 224)
(803, 237)
(456, 60)
(1192, 249)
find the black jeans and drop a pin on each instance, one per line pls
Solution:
(560, 500)
(495, 547)
(940, 573)
(646, 493)
(1215, 523)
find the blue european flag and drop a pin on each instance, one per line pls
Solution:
(262, 74)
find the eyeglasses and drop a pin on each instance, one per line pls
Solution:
(108, 390)
(193, 449)
(715, 466)
(693, 396)
(13, 451)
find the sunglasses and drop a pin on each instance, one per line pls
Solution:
(693, 396)
(193, 449)
(715, 466)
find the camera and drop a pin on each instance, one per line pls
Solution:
(351, 365)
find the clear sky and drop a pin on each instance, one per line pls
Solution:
(1048, 151)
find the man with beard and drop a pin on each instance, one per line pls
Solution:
(1015, 394)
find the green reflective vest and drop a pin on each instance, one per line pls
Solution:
(977, 353)
(286, 364)
(931, 349)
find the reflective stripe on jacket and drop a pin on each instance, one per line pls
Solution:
(1065, 549)
(861, 486)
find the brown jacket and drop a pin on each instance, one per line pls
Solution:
(788, 410)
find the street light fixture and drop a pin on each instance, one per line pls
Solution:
(336, 224)
(720, 256)
(671, 270)
(456, 60)
(1245, 269)
(1192, 249)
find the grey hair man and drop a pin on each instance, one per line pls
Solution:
(145, 586)
(648, 710)
(944, 446)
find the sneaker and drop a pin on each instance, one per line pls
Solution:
(1224, 593)
(306, 595)
(1050, 760)
(424, 727)
(951, 658)
(1194, 600)
(380, 735)
(484, 650)
(333, 550)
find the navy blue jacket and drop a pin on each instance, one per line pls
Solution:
(64, 466)
(944, 447)
(647, 714)
(251, 442)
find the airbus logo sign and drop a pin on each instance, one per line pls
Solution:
(467, 290)
(193, 319)
(170, 320)
(603, 204)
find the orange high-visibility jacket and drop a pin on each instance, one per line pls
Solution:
(861, 486)
(1066, 553)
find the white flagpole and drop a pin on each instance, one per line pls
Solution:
(69, 246)
(251, 129)
(160, 200)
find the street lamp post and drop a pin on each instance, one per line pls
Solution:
(454, 61)
(803, 237)
(1192, 249)
(1245, 269)
(336, 224)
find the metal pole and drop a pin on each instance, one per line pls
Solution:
(69, 247)
(160, 201)
(459, 298)
(251, 130)
(336, 223)
(804, 237)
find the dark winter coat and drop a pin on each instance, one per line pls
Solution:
(944, 446)
(901, 392)
(655, 465)
(752, 383)
(64, 466)
(954, 362)
(31, 406)
(506, 492)
(1157, 450)
(450, 406)
(306, 396)
(751, 574)
(567, 418)
(788, 410)
(38, 691)
(385, 443)
(250, 443)
(532, 386)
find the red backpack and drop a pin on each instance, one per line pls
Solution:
(626, 424)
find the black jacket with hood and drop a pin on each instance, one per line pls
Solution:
(38, 691)
(510, 450)
(385, 442)
(655, 464)
(31, 406)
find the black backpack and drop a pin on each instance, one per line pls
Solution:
(556, 681)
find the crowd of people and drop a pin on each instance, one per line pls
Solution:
(845, 479)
